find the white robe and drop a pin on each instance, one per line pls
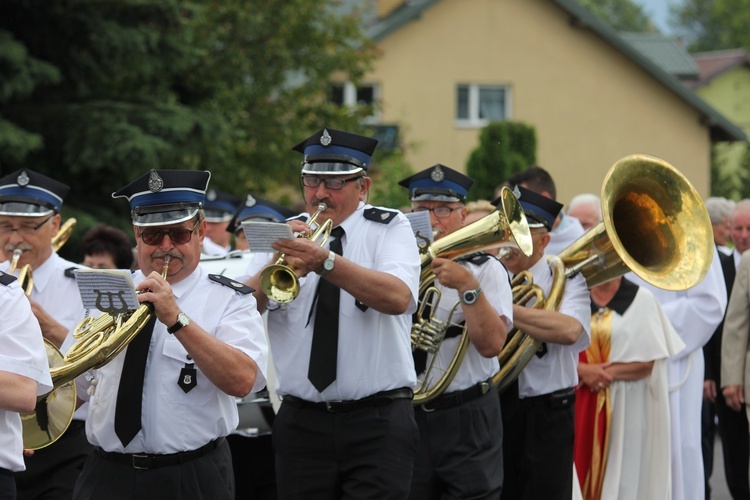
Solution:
(638, 460)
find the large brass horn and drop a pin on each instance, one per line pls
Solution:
(654, 224)
(99, 341)
(279, 281)
(504, 227)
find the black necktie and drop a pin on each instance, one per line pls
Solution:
(130, 392)
(325, 341)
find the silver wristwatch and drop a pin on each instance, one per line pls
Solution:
(182, 321)
(470, 296)
(328, 263)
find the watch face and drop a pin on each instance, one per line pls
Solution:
(328, 264)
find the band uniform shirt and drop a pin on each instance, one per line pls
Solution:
(558, 368)
(475, 368)
(22, 352)
(57, 293)
(374, 349)
(173, 420)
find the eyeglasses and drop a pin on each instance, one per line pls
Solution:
(440, 212)
(178, 235)
(24, 230)
(333, 183)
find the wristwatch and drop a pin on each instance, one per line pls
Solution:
(182, 321)
(328, 263)
(470, 296)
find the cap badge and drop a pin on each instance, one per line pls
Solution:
(325, 139)
(250, 201)
(23, 179)
(211, 195)
(155, 183)
(517, 192)
(437, 174)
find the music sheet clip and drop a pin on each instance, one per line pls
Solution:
(421, 225)
(108, 290)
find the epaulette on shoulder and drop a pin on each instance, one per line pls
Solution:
(300, 217)
(380, 215)
(478, 258)
(70, 272)
(229, 282)
(6, 279)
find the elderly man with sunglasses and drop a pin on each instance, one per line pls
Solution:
(341, 349)
(160, 411)
(30, 206)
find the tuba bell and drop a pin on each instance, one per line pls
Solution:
(504, 227)
(99, 340)
(654, 223)
(278, 281)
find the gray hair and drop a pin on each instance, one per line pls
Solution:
(586, 199)
(719, 208)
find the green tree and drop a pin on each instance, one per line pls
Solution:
(504, 149)
(621, 15)
(713, 24)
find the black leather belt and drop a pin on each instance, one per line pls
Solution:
(378, 399)
(146, 461)
(563, 398)
(453, 399)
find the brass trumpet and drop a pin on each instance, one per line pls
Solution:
(99, 341)
(279, 281)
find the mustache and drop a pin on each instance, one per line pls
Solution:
(10, 248)
(160, 255)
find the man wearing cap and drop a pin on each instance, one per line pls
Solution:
(460, 450)
(30, 206)
(219, 208)
(341, 348)
(161, 409)
(538, 422)
(24, 375)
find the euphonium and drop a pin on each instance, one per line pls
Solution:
(99, 341)
(279, 281)
(504, 227)
(654, 224)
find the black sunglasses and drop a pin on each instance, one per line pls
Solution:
(178, 235)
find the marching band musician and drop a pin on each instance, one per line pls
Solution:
(460, 450)
(538, 424)
(343, 361)
(218, 208)
(30, 206)
(161, 409)
(24, 375)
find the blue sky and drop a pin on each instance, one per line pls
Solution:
(658, 11)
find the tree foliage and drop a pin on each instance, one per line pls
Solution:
(710, 25)
(504, 149)
(96, 93)
(621, 15)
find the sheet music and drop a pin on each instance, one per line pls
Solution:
(421, 225)
(260, 235)
(109, 290)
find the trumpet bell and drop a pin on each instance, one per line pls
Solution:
(279, 283)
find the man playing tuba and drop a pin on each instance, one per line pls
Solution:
(538, 420)
(460, 450)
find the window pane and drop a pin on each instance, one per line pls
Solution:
(462, 103)
(491, 103)
(366, 95)
(336, 93)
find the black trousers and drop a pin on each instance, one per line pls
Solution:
(363, 453)
(51, 473)
(537, 447)
(735, 443)
(460, 453)
(204, 478)
(254, 467)
(7, 485)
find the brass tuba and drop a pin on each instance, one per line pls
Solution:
(504, 227)
(99, 341)
(654, 223)
(279, 281)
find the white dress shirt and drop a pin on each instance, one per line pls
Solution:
(22, 352)
(475, 368)
(374, 349)
(558, 368)
(174, 420)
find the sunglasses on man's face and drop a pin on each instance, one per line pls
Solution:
(178, 235)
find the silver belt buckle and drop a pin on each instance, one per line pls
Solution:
(329, 408)
(133, 458)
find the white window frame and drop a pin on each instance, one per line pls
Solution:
(350, 99)
(473, 121)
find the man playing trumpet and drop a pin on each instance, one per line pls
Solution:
(341, 348)
(460, 451)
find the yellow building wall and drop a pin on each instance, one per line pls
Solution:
(589, 104)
